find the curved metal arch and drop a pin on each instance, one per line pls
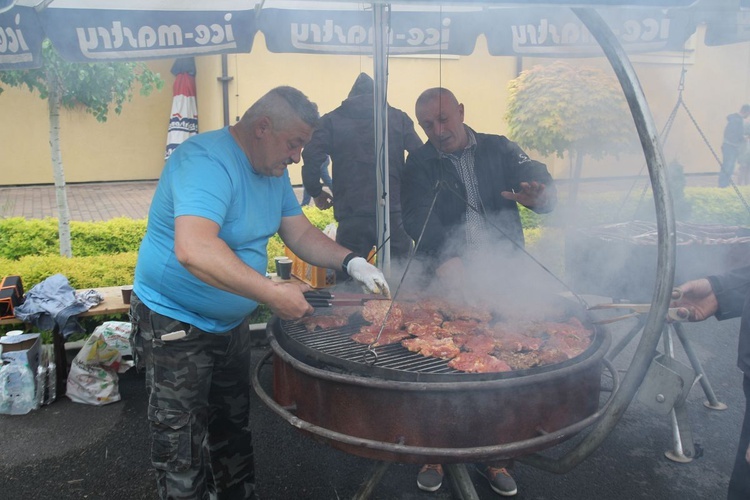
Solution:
(666, 245)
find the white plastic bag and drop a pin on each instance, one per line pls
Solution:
(330, 230)
(93, 374)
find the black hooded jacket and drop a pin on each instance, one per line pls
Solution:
(347, 135)
(734, 132)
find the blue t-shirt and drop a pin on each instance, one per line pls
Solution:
(209, 176)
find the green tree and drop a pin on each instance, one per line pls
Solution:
(93, 88)
(561, 107)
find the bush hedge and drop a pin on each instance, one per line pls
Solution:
(106, 252)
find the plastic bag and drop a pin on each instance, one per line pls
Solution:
(330, 230)
(93, 374)
(17, 389)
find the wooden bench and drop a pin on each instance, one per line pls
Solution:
(111, 305)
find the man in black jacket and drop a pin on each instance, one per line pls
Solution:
(478, 180)
(728, 296)
(734, 141)
(347, 135)
(466, 185)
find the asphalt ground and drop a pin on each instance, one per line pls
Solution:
(74, 451)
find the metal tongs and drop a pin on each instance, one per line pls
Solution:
(673, 313)
(324, 298)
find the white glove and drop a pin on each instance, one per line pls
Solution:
(369, 276)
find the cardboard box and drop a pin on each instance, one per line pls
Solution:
(25, 348)
(11, 295)
(316, 277)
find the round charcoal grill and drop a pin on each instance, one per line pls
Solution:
(409, 408)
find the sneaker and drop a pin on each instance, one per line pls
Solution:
(500, 480)
(430, 477)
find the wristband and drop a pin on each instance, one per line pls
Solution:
(348, 259)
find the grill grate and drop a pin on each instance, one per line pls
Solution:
(337, 343)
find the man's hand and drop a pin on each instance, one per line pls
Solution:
(288, 302)
(532, 195)
(369, 276)
(324, 200)
(698, 298)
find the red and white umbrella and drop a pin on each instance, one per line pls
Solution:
(183, 121)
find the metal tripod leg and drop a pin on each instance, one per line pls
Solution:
(682, 450)
(365, 491)
(712, 402)
(461, 484)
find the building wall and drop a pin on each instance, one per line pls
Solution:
(131, 146)
(126, 147)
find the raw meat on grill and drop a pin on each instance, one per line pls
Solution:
(432, 347)
(475, 362)
(375, 311)
(368, 333)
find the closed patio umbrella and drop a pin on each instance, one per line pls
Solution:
(183, 121)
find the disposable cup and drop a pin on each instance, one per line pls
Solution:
(284, 268)
(126, 290)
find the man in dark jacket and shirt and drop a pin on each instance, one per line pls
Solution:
(728, 296)
(734, 141)
(347, 135)
(478, 179)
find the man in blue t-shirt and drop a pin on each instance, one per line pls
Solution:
(201, 272)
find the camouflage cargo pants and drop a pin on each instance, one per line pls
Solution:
(198, 407)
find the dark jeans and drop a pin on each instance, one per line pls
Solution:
(729, 155)
(198, 409)
(739, 483)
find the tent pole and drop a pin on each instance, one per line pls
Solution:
(380, 77)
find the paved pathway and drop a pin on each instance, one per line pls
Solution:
(87, 202)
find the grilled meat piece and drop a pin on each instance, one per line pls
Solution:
(432, 347)
(323, 322)
(427, 330)
(374, 312)
(479, 344)
(474, 362)
(417, 313)
(368, 333)
(461, 326)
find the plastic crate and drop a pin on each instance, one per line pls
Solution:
(316, 277)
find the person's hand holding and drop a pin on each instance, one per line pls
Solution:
(698, 298)
(532, 195)
(324, 200)
(369, 276)
(288, 302)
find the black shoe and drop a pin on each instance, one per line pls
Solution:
(430, 477)
(500, 480)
